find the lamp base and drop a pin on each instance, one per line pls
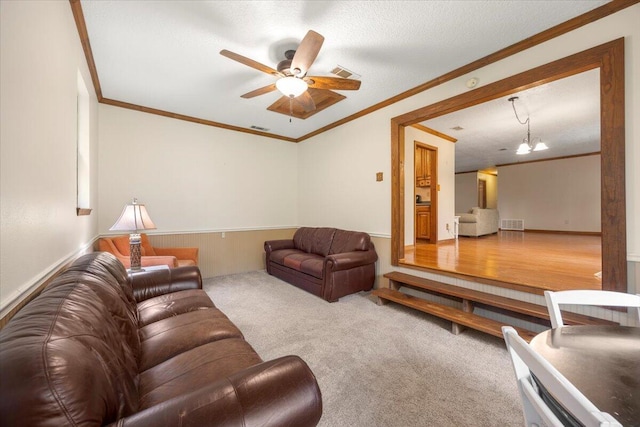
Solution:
(135, 252)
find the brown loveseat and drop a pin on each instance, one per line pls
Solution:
(327, 262)
(97, 347)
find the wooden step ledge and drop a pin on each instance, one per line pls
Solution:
(398, 279)
(456, 316)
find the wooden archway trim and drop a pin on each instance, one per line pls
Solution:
(609, 58)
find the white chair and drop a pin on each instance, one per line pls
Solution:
(536, 411)
(589, 297)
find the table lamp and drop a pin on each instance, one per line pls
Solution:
(134, 217)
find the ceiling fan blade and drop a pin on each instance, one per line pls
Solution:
(337, 83)
(306, 53)
(261, 91)
(306, 101)
(250, 62)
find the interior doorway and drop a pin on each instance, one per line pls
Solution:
(482, 194)
(426, 194)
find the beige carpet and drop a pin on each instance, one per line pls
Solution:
(376, 365)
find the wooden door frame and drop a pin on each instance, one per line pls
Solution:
(609, 59)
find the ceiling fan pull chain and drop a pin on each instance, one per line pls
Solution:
(290, 108)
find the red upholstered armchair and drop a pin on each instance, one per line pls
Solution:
(173, 257)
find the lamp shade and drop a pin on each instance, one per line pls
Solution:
(523, 148)
(291, 86)
(540, 146)
(134, 217)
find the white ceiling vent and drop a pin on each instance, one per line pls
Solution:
(340, 71)
(259, 128)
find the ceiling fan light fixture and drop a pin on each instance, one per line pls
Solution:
(291, 86)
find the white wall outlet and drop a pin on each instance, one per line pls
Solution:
(224, 234)
(447, 226)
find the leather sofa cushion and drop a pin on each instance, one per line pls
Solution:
(166, 338)
(173, 304)
(194, 369)
(314, 240)
(307, 263)
(91, 372)
(111, 295)
(279, 256)
(349, 241)
(300, 261)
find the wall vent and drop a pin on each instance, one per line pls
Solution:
(512, 224)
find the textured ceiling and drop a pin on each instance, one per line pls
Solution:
(165, 54)
(565, 114)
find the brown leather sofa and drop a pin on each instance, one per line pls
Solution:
(327, 262)
(97, 347)
(151, 255)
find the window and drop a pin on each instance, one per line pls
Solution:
(83, 149)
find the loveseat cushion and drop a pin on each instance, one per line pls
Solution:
(195, 368)
(349, 241)
(314, 240)
(166, 338)
(278, 256)
(307, 263)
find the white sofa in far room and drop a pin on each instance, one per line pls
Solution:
(478, 222)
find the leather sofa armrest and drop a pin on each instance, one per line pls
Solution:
(179, 253)
(274, 245)
(279, 392)
(348, 260)
(152, 283)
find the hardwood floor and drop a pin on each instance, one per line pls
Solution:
(526, 261)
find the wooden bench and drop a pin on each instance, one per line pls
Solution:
(465, 317)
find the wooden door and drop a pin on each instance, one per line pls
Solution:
(423, 223)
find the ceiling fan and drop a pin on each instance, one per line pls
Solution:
(293, 81)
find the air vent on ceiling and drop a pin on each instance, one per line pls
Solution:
(457, 128)
(340, 71)
(259, 128)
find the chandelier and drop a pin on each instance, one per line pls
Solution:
(528, 145)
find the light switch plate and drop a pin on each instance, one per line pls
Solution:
(379, 176)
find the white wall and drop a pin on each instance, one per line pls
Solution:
(40, 54)
(561, 194)
(338, 186)
(193, 177)
(466, 191)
